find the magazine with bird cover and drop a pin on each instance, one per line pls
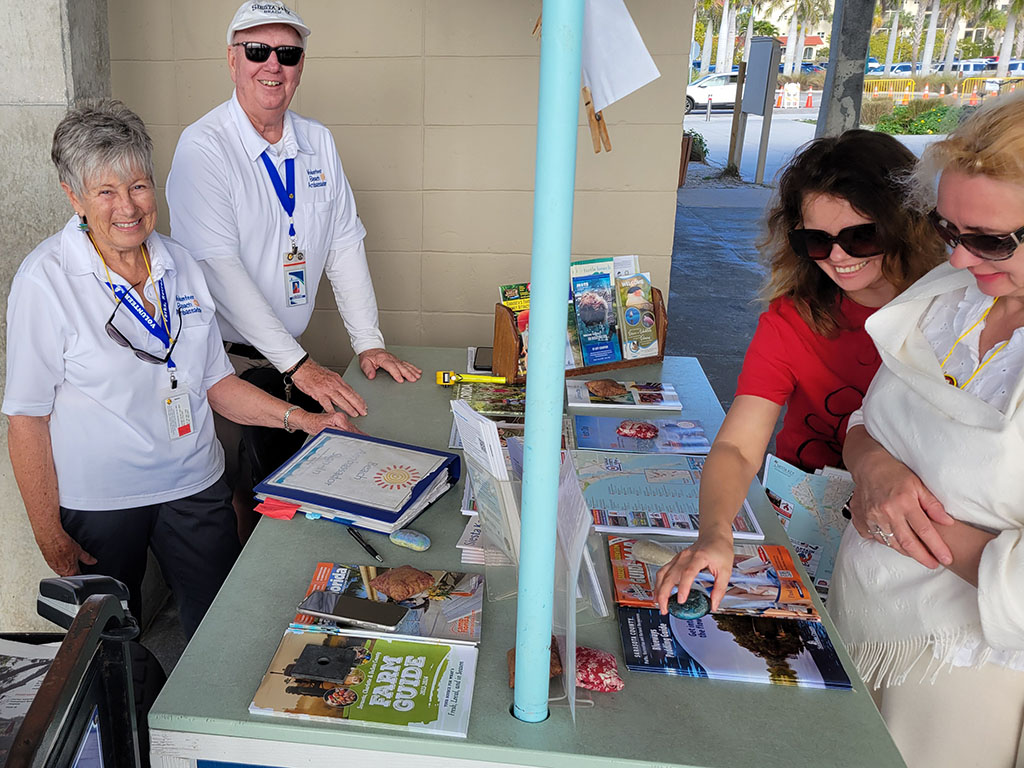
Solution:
(635, 304)
(451, 609)
(420, 686)
(638, 493)
(764, 580)
(752, 649)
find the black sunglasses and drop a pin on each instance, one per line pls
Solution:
(861, 242)
(988, 247)
(119, 338)
(287, 55)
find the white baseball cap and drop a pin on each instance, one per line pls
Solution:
(255, 14)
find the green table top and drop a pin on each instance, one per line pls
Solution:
(657, 720)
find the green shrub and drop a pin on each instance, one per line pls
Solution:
(939, 118)
(698, 148)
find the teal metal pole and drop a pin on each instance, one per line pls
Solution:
(557, 119)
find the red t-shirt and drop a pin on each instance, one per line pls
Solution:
(822, 380)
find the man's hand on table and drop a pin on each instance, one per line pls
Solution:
(372, 359)
(328, 389)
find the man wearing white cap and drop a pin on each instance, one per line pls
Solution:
(258, 196)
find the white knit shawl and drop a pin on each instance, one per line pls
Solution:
(889, 609)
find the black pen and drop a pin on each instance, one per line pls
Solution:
(363, 543)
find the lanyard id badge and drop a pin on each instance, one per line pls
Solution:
(178, 411)
(294, 263)
(295, 279)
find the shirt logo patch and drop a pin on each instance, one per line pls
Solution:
(315, 177)
(188, 304)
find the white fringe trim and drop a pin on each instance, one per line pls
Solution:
(885, 664)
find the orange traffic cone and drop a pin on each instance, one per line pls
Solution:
(778, 99)
(942, 91)
(924, 95)
(906, 98)
(974, 97)
(808, 104)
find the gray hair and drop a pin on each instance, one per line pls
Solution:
(97, 137)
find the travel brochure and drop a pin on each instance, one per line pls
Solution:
(751, 649)
(605, 394)
(630, 493)
(451, 609)
(764, 581)
(635, 435)
(810, 507)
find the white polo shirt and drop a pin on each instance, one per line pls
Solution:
(223, 204)
(108, 424)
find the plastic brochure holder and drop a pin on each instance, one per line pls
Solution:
(497, 503)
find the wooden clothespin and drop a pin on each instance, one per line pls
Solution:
(598, 129)
(536, 27)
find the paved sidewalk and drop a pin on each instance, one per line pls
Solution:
(716, 275)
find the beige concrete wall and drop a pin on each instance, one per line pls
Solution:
(433, 107)
(54, 52)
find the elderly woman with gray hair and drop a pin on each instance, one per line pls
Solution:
(114, 362)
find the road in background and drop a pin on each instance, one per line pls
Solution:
(790, 130)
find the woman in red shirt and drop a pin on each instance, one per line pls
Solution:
(840, 242)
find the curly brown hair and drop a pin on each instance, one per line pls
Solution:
(868, 170)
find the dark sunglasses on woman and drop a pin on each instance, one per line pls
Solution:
(988, 247)
(287, 55)
(861, 242)
(121, 340)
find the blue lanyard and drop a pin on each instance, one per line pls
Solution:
(155, 329)
(285, 190)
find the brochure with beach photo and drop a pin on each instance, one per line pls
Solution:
(419, 686)
(750, 649)
(764, 580)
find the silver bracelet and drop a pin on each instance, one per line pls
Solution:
(286, 415)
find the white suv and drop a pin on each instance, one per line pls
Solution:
(721, 89)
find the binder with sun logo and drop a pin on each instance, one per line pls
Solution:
(381, 485)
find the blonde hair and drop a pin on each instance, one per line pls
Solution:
(989, 143)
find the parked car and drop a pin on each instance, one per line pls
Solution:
(806, 68)
(721, 89)
(967, 66)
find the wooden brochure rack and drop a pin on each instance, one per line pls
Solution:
(508, 344)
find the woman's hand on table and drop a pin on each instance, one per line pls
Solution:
(892, 499)
(712, 553)
(314, 423)
(371, 360)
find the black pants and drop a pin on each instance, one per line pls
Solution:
(194, 540)
(267, 448)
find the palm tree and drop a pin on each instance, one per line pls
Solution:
(723, 35)
(708, 9)
(929, 41)
(918, 29)
(893, 9)
(1013, 10)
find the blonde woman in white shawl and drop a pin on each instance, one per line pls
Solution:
(929, 596)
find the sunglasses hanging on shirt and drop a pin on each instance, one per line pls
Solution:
(861, 242)
(988, 247)
(287, 55)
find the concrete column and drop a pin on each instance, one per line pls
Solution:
(844, 83)
(55, 52)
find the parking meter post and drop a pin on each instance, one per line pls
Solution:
(739, 123)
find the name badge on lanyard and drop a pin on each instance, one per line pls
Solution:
(293, 261)
(175, 398)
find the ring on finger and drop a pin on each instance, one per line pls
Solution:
(886, 536)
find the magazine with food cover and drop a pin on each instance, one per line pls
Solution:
(638, 435)
(450, 609)
(604, 394)
(764, 580)
(752, 649)
(419, 686)
(638, 493)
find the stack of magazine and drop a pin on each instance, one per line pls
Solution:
(766, 630)
(418, 678)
